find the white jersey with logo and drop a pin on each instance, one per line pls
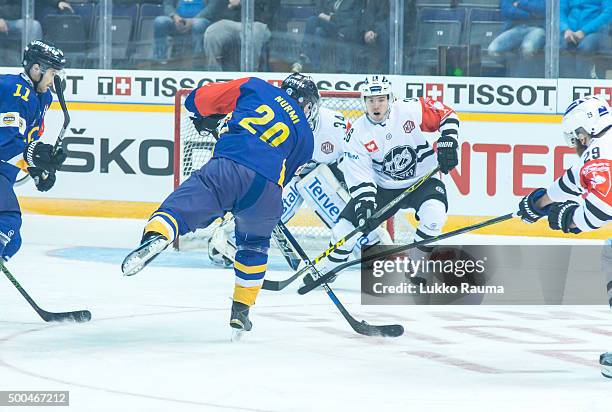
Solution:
(395, 154)
(590, 179)
(328, 136)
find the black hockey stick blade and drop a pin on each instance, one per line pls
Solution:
(363, 327)
(277, 285)
(387, 331)
(326, 277)
(78, 316)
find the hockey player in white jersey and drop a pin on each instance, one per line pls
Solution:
(581, 199)
(386, 151)
(319, 183)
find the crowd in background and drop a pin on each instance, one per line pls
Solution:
(350, 36)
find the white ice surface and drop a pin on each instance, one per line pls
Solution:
(159, 341)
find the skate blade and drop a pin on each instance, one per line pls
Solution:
(139, 258)
(605, 360)
(237, 335)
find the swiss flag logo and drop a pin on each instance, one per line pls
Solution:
(371, 146)
(604, 93)
(123, 86)
(434, 91)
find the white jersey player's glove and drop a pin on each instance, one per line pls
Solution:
(561, 216)
(448, 157)
(528, 211)
(364, 209)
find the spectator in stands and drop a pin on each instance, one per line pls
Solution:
(584, 25)
(224, 33)
(182, 17)
(524, 28)
(42, 8)
(12, 24)
(376, 35)
(334, 25)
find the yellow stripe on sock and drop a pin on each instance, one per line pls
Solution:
(250, 269)
(172, 219)
(157, 226)
(246, 295)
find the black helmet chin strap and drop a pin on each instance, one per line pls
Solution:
(42, 74)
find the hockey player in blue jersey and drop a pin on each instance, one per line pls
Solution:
(264, 136)
(24, 100)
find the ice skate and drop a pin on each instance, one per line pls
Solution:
(239, 320)
(605, 360)
(152, 245)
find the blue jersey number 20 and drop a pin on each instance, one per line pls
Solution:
(273, 135)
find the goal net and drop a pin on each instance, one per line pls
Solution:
(192, 151)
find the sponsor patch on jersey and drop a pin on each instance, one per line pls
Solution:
(597, 176)
(408, 126)
(327, 147)
(12, 119)
(371, 146)
(389, 136)
(400, 163)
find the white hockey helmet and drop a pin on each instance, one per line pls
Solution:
(590, 113)
(376, 85)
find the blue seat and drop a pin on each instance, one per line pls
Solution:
(430, 35)
(151, 10)
(477, 14)
(439, 13)
(479, 3)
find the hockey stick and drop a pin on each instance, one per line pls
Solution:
(57, 84)
(78, 316)
(284, 245)
(322, 281)
(362, 327)
(276, 285)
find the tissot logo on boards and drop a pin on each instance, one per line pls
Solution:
(484, 94)
(604, 93)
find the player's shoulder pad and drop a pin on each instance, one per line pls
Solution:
(8, 81)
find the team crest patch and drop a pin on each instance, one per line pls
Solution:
(371, 146)
(400, 163)
(598, 176)
(327, 147)
(408, 126)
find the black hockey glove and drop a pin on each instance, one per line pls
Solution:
(208, 124)
(448, 157)
(561, 216)
(528, 211)
(364, 210)
(41, 155)
(43, 179)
